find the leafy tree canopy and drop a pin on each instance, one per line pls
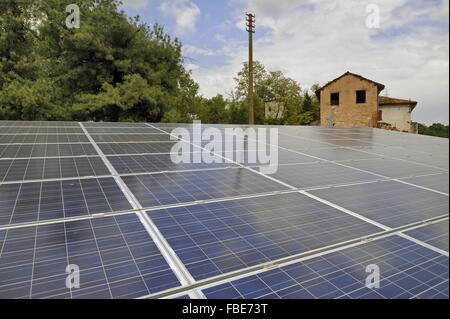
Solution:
(435, 129)
(111, 68)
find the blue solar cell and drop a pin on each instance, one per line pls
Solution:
(118, 258)
(136, 148)
(115, 255)
(218, 238)
(321, 174)
(434, 234)
(51, 168)
(158, 163)
(39, 201)
(436, 182)
(171, 188)
(393, 168)
(407, 270)
(390, 203)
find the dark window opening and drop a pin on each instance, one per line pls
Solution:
(334, 98)
(361, 96)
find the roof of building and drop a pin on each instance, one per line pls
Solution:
(379, 85)
(387, 101)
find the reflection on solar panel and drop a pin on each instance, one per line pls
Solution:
(172, 188)
(50, 168)
(221, 237)
(438, 182)
(435, 234)
(38, 201)
(161, 137)
(390, 203)
(116, 256)
(394, 168)
(408, 271)
(157, 163)
(321, 174)
(45, 150)
(107, 198)
(136, 148)
(32, 138)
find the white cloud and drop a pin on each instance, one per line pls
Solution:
(316, 41)
(135, 4)
(192, 66)
(184, 12)
(193, 50)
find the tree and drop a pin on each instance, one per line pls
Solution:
(310, 109)
(111, 68)
(17, 38)
(259, 76)
(214, 110)
(270, 86)
(436, 129)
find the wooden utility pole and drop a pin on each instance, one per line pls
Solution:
(250, 29)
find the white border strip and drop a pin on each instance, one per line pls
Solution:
(171, 258)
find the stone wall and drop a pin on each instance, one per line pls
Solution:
(348, 113)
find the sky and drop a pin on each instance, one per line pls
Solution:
(403, 44)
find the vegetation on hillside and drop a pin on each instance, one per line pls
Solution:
(435, 129)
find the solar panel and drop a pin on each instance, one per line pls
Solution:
(115, 125)
(158, 163)
(115, 255)
(158, 137)
(407, 270)
(388, 202)
(320, 174)
(437, 182)
(38, 201)
(394, 168)
(51, 168)
(107, 198)
(284, 157)
(435, 234)
(340, 154)
(217, 238)
(33, 138)
(38, 123)
(40, 130)
(123, 130)
(45, 150)
(130, 148)
(171, 188)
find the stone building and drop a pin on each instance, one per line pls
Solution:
(354, 101)
(396, 114)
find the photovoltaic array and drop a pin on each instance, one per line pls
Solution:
(108, 199)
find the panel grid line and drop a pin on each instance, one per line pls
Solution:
(303, 192)
(177, 266)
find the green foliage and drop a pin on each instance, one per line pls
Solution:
(273, 86)
(214, 110)
(435, 129)
(112, 68)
